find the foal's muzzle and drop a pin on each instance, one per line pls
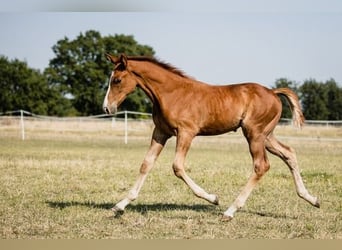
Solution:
(111, 109)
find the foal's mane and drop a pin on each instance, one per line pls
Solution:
(160, 63)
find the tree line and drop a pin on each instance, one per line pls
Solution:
(319, 100)
(75, 81)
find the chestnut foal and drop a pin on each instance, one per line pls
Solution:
(185, 108)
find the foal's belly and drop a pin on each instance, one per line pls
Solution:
(217, 129)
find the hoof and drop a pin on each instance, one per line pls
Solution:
(226, 218)
(216, 201)
(317, 203)
(118, 212)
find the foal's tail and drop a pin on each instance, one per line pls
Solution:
(292, 98)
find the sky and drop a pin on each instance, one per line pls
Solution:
(218, 43)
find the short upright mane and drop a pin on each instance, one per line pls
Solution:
(162, 64)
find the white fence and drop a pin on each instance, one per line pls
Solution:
(314, 122)
(129, 124)
(121, 121)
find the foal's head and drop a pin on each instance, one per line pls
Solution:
(121, 83)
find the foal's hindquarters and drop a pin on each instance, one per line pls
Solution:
(258, 127)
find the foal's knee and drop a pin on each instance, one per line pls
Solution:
(144, 168)
(261, 168)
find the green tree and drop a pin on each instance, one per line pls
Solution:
(24, 88)
(314, 98)
(285, 83)
(334, 100)
(80, 69)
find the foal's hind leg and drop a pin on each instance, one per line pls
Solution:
(183, 144)
(288, 155)
(261, 166)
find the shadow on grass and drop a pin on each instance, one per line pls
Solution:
(141, 208)
(66, 204)
(269, 214)
(162, 207)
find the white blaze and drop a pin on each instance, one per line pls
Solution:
(105, 102)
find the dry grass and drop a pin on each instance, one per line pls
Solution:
(62, 185)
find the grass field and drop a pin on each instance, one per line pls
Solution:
(63, 184)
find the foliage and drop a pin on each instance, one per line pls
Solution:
(81, 71)
(334, 100)
(313, 96)
(319, 100)
(76, 79)
(24, 88)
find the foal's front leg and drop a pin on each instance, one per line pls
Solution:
(157, 144)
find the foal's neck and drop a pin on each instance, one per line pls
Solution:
(156, 79)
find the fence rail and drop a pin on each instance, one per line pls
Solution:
(98, 121)
(132, 123)
(314, 122)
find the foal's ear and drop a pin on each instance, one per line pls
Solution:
(112, 58)
(123, 60)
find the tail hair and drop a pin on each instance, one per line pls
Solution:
(297, 114)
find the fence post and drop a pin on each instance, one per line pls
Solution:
(113, 122)
(126, 128)
(22, 125)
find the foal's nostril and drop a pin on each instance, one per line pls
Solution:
(106, 110)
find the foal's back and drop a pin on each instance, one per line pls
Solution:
(226, 108)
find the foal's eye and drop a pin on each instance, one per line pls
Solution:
(116, 80)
